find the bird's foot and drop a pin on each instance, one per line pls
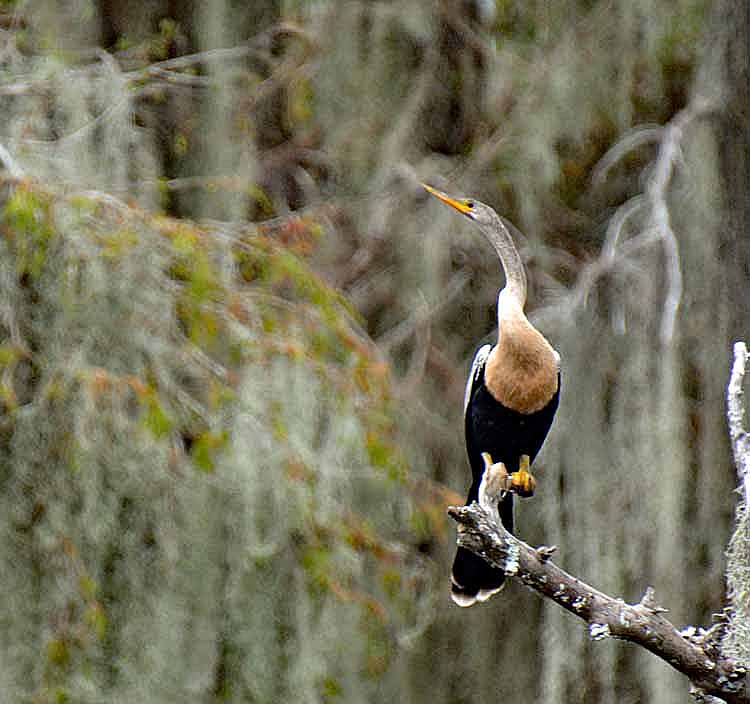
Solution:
(522, 482)
(494, 485)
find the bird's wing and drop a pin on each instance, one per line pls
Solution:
(477, 369)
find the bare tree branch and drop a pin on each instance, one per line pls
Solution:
(654, 224)
(736, 418)
(641, 623)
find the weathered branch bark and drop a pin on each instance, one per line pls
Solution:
(692, 652)
(736, 418)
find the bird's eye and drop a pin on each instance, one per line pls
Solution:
(470, 204)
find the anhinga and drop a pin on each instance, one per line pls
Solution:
(511, 397)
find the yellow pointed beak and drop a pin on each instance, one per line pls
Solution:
(459, 205)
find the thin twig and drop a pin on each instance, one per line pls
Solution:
(641, 135)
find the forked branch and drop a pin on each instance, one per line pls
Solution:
(696, 656)
(695, 652)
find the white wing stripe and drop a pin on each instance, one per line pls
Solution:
(476, 370)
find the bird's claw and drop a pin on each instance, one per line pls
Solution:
(522, 482)
(496, 482)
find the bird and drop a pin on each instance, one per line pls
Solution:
(511, 398)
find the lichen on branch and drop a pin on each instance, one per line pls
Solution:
(642, 623)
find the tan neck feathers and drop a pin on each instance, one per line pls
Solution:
(521, 371)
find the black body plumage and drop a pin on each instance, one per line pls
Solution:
(506, 435)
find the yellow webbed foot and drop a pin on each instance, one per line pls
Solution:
(522, 482)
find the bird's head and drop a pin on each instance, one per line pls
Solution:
(494, 229)
(473, 209)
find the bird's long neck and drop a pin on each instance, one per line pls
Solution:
(521, 371)
(515, 276)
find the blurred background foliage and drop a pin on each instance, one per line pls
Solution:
(234, 337)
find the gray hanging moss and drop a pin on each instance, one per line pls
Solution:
(203, 485)
(191, 428)
(737, 639)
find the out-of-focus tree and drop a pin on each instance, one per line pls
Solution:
(204, 457)
(200, 484)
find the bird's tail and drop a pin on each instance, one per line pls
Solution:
(473, 579)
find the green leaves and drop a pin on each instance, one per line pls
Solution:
(155, 418)
(28, 228)
(206, 449)
(201, 389)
